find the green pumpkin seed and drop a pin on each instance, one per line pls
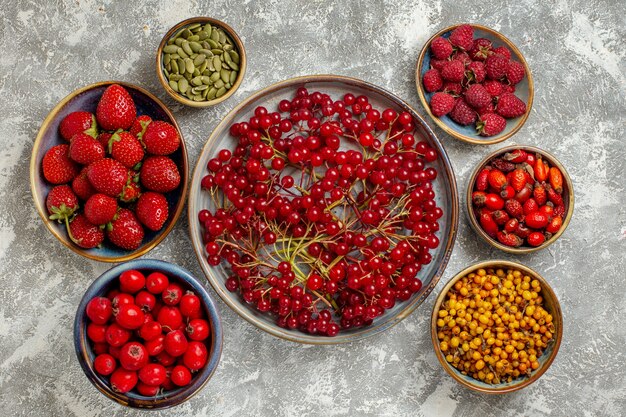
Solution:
(227, 86)
(203, 66)
(183, 85)
(212, 43)
(201, 87)
(217, 63)
(222, 36)
(202, 35)
(168, 67)
(171, 40)
(225, 75)
(174, 85)
(186, 33)
(206, 52)
(189, 67)
(207, 29)
(233, 77)
(166, 59)
(233, 66)
(227, 47)
(198, 97)
(175, 77)
(199, 60)
(217, 51)
(211, 94)
(181, 53)
(187, 48)
(234, 56)
(215, 76)
(167, 73)
(196, 81)
(193, 38)
(194, 25)
(181, 66)
(179, 41)
(220, 92)
(227, 58)
(195, 46)
(174, 64)
(206, 72)
(219, 84)
(215, 36)
(170, 49)
(196, 72)
(174, 56)
(204, 93)
(206, 80)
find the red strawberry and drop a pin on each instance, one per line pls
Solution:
(100, 209)
(476, 72)
(126, 148)
(84, 149)
(510, 106)
(432, 81)
(509, 239)
(108, 176)
(437, 63)
(61, 202)
(132, 190)
(515, 72)
(514, 208)
(441, 48)
(116, 109)
(496, 66)
(81, 185)
(493, 87)
(477, 97)
(504, 51)
(452, 88)
(125, 231)
(462, 113)
(481, 49)
(78, 122)
(159, 173)
(453, 71)
(139, 125)
(463, 57)
(490, 124)
(161, 138)
(441, 104)
(83, 233)
(463, 37)
(104, 138)
(57, 166)
(152, 210)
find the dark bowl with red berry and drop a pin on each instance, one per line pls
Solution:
(520, 199)
(148, 334)
(108, 171)
(474, 83)
(332, 225)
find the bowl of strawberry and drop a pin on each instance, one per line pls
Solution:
(520, 199)
(147, 334)
(474, 83)
(108, 171)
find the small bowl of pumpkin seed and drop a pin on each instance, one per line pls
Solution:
(201, 62)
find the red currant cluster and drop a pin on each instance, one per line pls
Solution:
(148, 334)
(324, 211)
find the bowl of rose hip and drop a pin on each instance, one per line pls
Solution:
(324, 209)
(496, 327)
(108, 171)
(474, 83)
(147, 334)
(520, 199)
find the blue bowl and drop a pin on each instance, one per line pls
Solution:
(86, 356)
(86, 99)
(524, 90)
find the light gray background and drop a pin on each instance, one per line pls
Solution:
(576, 51)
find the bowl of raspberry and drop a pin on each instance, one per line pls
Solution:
(323, 210)
(474, 83)
(108, 171)
(147, 334)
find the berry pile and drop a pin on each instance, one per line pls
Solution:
(116, 165)
(473, 81)
(148, 334)
(324, 212)
(518, 199)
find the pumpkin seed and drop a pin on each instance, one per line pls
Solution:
(217, 63)
(220, 92)
(174, 66)
(167, 73)
(202, 35)
(183, 85)
(206, 52)
(233, 66)
(227, 47)
(171, 40)
(227, 86)
(170, 49)
(206, 72)
(234, 56)
(194, 25)
(181, 66)
(206, 80)
(178, 41)
(173, 85)
(205, 45)
(222, 36)
(217, 51)
(219, 84)
(199, 60)
(201, 87)
(233, 77)
(211, 94)
(189, 67)
(166, 59)
(196, 72)
(195, 46)
(212, 43)
(225, 75)
(227, 58)
(215, 35)
(175, 77)
(203, 66)
(186, 33)
(193, 38)
(187, 48)
(196, 81)
(215, 76)
(207, 29)
(204, 93)
(181, 53)
(174, 56)
(168, 67)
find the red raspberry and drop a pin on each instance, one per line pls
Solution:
(515, 72)
(441, 104)
(504, 51)
(463, 57)
(453, 71)
(462, 113)
(477, 97)
(481, 49)
(494, 88)
(489, 108)
(463, 37)
(432, 81)
(438, 63)
(508, 88)
(490, 124)
(441, 48)
(452, 88)
(476, 72)
(510, 106)
(496, 66)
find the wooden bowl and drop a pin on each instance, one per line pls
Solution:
(86, 356)
(551, 304)
(335, 86)
(160, 68)
(568, 199)
(86, 98)
(524, 90)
